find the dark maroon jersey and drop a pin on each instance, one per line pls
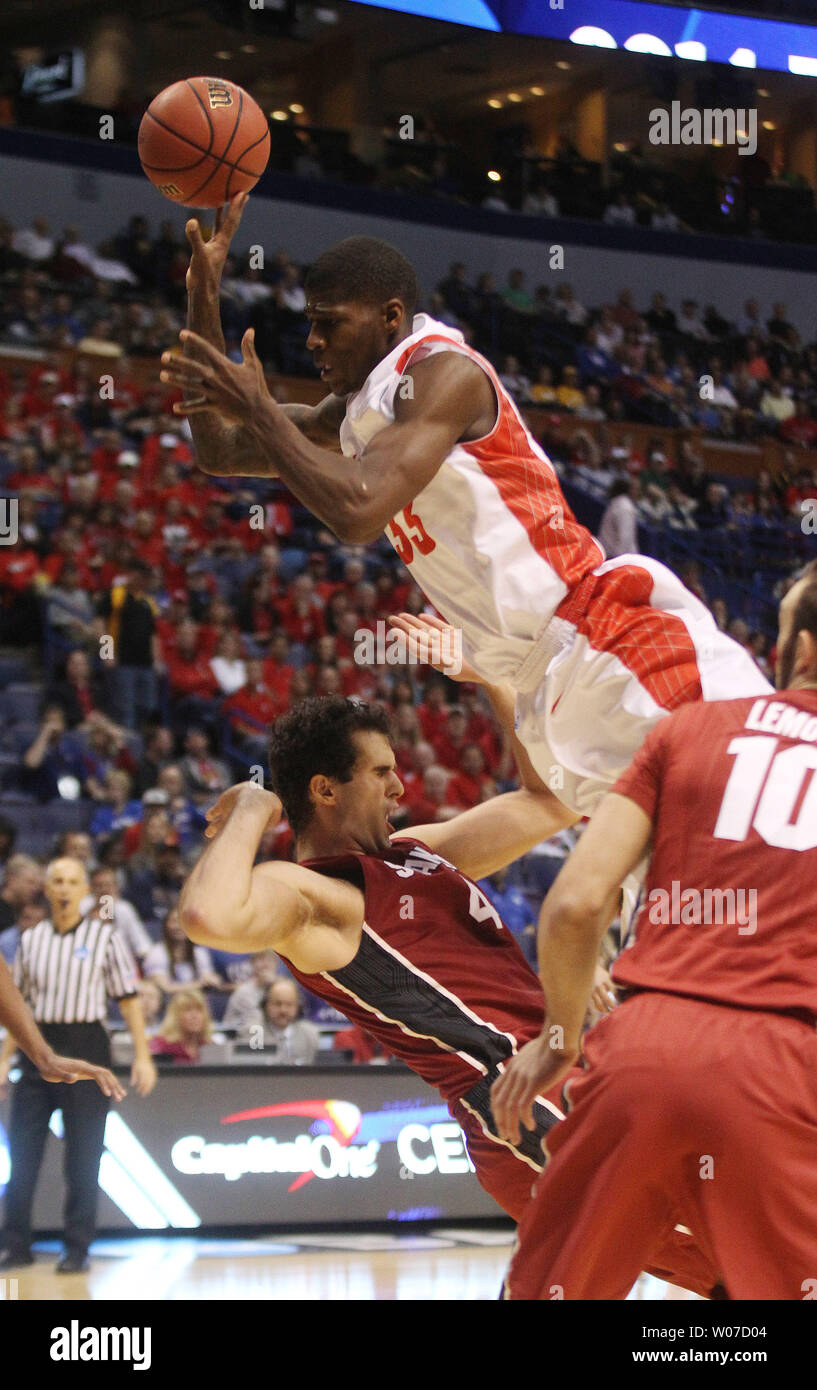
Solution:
(729, 909)
(438, 978)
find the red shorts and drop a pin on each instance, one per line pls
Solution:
(509, 1172)
(689, 1112)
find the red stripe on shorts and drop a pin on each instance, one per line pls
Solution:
(613, 612)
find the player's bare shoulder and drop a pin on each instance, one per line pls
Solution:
(451, 383)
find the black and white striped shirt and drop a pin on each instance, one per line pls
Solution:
(68, 977)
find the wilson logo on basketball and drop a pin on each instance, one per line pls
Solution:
(219, 95)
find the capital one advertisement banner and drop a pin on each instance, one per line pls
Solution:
(266, 1146)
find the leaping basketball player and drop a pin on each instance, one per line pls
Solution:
(436, 454)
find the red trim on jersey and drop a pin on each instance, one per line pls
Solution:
(527, 484)
(613, 612)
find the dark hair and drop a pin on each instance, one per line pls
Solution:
(317, 737)
(364, 270)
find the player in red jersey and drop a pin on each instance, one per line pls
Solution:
(702, 1085)
(391, 929)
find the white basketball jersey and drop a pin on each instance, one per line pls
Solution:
(490, 540)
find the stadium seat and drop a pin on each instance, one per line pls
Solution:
(21, 702)
(12, 668)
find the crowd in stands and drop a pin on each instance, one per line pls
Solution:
(637, 186)
(171, 625)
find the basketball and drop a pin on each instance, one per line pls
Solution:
(203, 140)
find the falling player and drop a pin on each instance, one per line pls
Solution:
(391, 929)
(700, 1086)
(438, 456)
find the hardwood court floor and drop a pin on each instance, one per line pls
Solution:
(439, 1266)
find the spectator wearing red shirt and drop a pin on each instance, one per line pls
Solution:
(411, 774)
(193, 685)
(276, 671)
(171, 482)
(407, 734)
(801, 427)
(64, 557)
(60, 427)
(470, 785)
(125, 465)
(300, 612)
(432, 803)
(362, 1047)
(258, 613)
(185, 1028)
(218, 622)
(250, 712)
(30, 473)
(450, 743)
(148, 539)
(317, 569)
(106, 452)
(160, 449)
(433, 711)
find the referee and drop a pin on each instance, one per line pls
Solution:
(67, 967)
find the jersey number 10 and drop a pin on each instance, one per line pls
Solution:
(771, 815)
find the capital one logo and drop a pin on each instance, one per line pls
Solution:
(9, 528)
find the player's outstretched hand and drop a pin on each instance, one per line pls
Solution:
(210, 381)
(219, 813)
(71, 1069)
(534, 1069)
(435, 643)
(208, 258)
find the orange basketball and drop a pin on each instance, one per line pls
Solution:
(203, 140)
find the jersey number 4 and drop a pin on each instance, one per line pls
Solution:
(411, 536)
(757, 762)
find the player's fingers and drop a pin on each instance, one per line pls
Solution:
(193, 234)
(177, 368)
(185, 408)
(234, 213)
(407, 622)
(210, 353)
(248, 349)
